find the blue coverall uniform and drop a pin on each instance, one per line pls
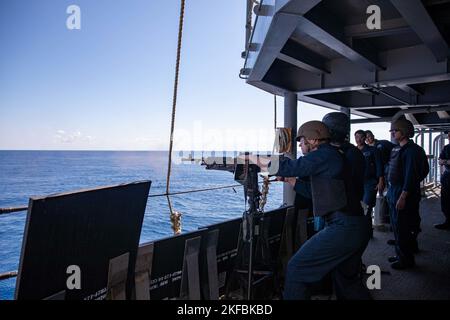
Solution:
(339, 246)
(372, 173)
(384, 147)
(404, 175)
(354, 168)
(303, 200)
(445, 184)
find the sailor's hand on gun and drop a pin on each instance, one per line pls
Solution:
(290, 180)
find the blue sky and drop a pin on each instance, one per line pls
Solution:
(109, 85)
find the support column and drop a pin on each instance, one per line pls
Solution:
(441, 145)
(290, 121)
(422, 138)
(345, 110)
(430, 152)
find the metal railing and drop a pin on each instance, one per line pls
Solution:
(434, 148)
(250, 32)
(4, 211)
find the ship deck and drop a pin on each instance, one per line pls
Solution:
(430, 279)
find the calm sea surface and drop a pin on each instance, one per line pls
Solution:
(36, 173)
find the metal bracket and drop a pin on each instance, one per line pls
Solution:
(57, 296)
(264, 10)
(190, 282)
(301, 234)
(211, 285)
(117, 277)
(142, 272)
(287, 239)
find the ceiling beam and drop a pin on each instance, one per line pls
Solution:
(410, 111)
(381, 84)
(443, 115)
(389, 106)
(331, 38)
(298, 7)
(410, 117)
(301, 64)
(432, 118)
(300, 56)
(333, 106)
(392, 98)
(389, 27)
(410, 90)
(416, 15)
(416, 63)
(278, 34)
(430, 3)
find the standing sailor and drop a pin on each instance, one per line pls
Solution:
(338, 124)
(444, 160)
(384, 147)
(373, 174)
(340, 242)
(407, 168)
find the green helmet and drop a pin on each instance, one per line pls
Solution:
(338, 124)
(313, 130)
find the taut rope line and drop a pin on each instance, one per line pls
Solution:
(175, 217)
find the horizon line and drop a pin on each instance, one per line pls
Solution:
(129, 150)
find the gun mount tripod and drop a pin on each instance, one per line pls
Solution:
(253, 245)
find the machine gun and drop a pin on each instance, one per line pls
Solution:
(247, 175)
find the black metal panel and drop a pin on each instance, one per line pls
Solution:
(167, 266)
(226, 249)
(229, 237)
(275, 221)
(85, 228)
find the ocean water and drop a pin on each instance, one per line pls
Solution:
(36, 173)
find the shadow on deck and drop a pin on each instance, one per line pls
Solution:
(430, 279)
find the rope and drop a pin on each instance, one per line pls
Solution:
(264, 193)
(195, 190)
(12, 210)
(276, 146)
(175, 217)
(7, 275)
(283, 140)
